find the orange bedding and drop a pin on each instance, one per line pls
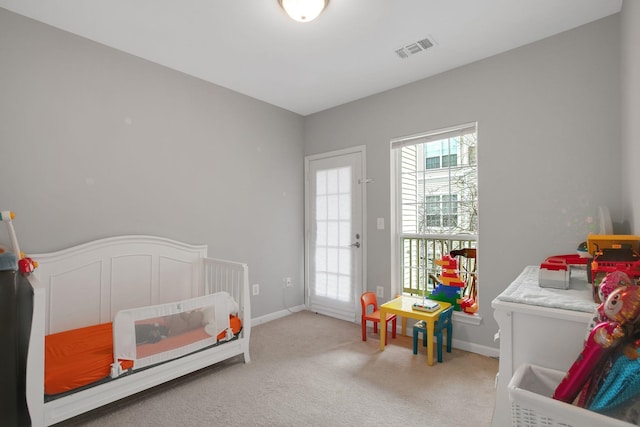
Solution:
(75, 358)
(83, 356)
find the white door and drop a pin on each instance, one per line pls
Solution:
(335, 244)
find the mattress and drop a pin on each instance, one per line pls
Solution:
(80, 357)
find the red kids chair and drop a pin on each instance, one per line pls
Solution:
(369, 299)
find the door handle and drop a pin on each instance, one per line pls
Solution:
(356, 244)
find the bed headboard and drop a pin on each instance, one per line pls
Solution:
(87, 284)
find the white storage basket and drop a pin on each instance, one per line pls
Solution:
(530, 391)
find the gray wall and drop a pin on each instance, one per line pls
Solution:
(548, 150)
(96, 143)
(630, 84)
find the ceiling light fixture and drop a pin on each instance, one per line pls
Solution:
(303, 10)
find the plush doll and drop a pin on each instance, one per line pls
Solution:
(621, 306)
(610, 282)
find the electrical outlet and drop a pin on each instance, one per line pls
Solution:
(256, 289)
(380, 292)
(287, 282)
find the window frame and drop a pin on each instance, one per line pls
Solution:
(445, 208)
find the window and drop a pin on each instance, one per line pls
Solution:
(450, 211)
(441, 211)
(435, 202)
(432, 211)
(441, 154)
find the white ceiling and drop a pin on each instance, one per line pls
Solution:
(252, 47)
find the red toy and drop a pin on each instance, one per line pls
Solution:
(449, 275)
(555, 271)
(468, 305)
(609, 260)
(616, 252)
(25, 265)
(451, 285)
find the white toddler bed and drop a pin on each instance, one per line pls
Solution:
(126, 283)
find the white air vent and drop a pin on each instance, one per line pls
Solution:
(413, 48)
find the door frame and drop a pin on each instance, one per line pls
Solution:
(362, 150)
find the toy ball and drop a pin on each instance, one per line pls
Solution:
(623, 304)
(612, 281)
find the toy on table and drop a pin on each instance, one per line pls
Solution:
(622, 306)
(426, 305)
(25, 265)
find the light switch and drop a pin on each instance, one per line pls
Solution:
(380, 223)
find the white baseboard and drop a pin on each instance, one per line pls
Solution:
(475, 348)
(276, 315)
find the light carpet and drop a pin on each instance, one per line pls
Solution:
(312, 370)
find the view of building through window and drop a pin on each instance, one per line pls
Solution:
(436, 202)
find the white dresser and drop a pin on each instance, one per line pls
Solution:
(540, 326)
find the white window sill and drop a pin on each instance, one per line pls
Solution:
(470, 319)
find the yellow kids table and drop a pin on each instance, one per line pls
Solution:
(403, 306)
